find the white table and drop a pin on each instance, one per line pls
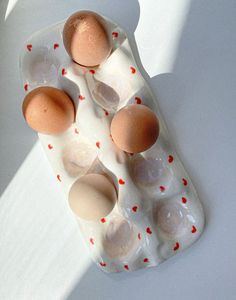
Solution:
(191, 59)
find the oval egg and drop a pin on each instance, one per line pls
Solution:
(86, 39)
(92, 197)
(48, 110)
(135, 128)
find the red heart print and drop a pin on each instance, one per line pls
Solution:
(126, 267)
(133, 70)
(138, 100)
(50, 146)
(162, 188)
(185, 182)
(121, 181)
(139, 236)
(146, 260)
(91, 241)
(194, 229)
(184, 200)
(170, 159)
(103, 264)
(55, 46)
(76, 131)
(148, 230)
(98, 145)
(103, 220)
(92, 71)
(115, 34)
(81, 97)
(63, 72)
(59, 177)
(176, 247)
(29, 47)
(134, 208)
(26, 87)
(106, 112)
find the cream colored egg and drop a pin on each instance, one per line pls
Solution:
(92, 197)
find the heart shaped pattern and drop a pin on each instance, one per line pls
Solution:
(133, 70)
(162, 188)
(145, 260)
(148, 230)
(170, 159)
(55, 46)
(106, 112)
(103, 220)
(185, 182)
(176, 247)
(29, 47)
(121, 181)
(63, 72)
(91, 241)
(139, 236)
(115, 34)
(98, 145)
(138, 100)
(50, 147)
(134, 208)
(126, 267)
(59, 178)
(26, 87)
(92, 71)
(184, 200)
(81, 97)
(194, 229)
(103, 264)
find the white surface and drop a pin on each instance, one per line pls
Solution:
(41, 252)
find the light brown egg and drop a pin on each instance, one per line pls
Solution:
(135, 128)
(92, 197)
(86, 39)
(120, 239)
(48, 110)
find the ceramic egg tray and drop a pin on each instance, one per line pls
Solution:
(156, 198)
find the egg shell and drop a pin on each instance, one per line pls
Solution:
(92, 197)
(85, 38)
(48, 110)
(134, 128)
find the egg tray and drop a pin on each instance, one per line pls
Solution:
(157, 205)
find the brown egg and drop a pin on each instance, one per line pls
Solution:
(92, 197)
(135, 128)
(86, 39)
(48, 110)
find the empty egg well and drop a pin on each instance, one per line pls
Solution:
(170, 218)
(41, 66)
(120, 238)
(77, 157)
(151, 175)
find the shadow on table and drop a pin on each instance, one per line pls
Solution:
(16, 139)
(203, 71)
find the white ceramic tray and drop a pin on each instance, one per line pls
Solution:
(157, 206)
